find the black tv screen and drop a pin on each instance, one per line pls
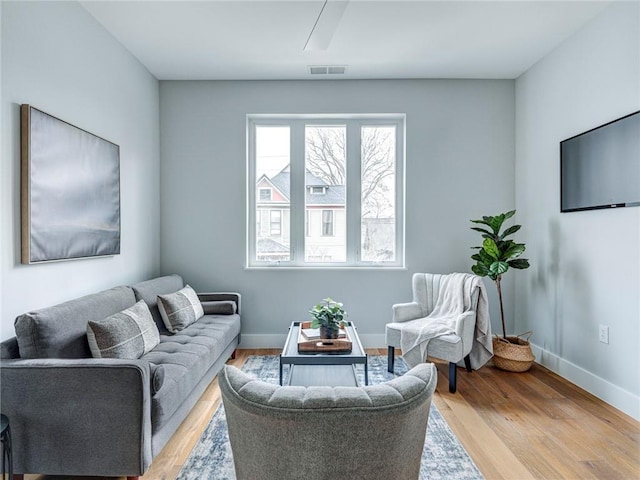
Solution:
(601, 168)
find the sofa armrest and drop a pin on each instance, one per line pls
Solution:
(79, 416)
(403, 312)
(221, 296)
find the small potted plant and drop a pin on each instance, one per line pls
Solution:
(496, 255)
(329, 316)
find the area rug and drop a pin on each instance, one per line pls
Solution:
(443, 456)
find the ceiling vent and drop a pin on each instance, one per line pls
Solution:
(327, 69)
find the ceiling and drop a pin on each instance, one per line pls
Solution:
(265, 39)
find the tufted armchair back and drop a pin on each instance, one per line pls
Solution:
(280, 433)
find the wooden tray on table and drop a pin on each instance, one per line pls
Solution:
(334, 345)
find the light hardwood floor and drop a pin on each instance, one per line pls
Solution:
(515, 426)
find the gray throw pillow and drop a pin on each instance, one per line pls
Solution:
(128, 334)
(180, 309)
(157, 377)
(219, 307)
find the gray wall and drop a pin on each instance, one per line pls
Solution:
(56, 57)
(460, 165)
(585, 265)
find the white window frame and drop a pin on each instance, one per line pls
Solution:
(297, 222)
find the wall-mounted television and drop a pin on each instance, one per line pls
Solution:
(600, 168)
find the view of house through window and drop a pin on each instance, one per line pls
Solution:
(325, 195)
(300, 199)
(272, 209)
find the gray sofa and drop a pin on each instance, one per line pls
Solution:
(72, 414)
(318, 433)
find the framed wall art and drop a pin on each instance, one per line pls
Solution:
(70, 190)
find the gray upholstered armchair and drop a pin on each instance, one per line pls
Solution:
(471, 326)
(280, 433)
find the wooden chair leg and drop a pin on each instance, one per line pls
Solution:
(452, 377)
(390, 358)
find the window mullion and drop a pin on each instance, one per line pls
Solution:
(400, 191)
(297, 192)
(251, 195)
(353, 192)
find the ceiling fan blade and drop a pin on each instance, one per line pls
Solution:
(326, 25)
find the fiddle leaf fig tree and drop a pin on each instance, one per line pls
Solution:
(497, 253)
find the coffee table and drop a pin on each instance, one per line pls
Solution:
(333, 369)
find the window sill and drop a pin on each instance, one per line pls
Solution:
(328, 267)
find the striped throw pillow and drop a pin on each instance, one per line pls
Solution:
(180, 309)
(128, 334)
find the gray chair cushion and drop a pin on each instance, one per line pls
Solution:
(127, 334)
(446, 347)
(61, 331)
(149, 291)
(185, 357)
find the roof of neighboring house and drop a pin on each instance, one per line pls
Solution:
(271, 246)
(334, 195)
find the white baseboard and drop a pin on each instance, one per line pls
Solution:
(262, 340)
(369, 340)
(601, 388)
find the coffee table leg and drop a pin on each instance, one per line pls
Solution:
(280, 370)
(366, 370)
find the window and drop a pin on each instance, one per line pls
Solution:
(275, 223)
(325, 191)
(265, 194)
(327, 223)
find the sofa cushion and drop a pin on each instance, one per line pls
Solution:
(150, 289)
(61, 331)
(180, 309)
(127, 334)
(186, 357)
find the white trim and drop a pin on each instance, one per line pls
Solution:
(261, 340)
(608, 392)
(252, 340)
(297, 224)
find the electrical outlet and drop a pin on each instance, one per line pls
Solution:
(604, 334)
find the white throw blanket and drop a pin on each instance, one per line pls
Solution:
(452, 305)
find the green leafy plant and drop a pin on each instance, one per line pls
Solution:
(329, 315)
(497, 254)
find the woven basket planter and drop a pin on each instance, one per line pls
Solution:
(514, 355)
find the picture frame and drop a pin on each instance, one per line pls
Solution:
(70, 190)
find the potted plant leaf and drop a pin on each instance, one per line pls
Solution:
(493, 259)
(329, 316)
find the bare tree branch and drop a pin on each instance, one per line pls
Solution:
(326, 158)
